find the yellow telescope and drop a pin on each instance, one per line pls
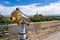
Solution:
(16, 15)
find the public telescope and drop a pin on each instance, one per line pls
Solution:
(16, 16)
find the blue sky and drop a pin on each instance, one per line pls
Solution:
(26, 2)
(31, 7)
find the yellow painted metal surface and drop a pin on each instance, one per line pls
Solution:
(15, 16)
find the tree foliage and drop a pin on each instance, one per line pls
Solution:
(4, 21)
(35, 19)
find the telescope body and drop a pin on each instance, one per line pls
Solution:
(15, 16)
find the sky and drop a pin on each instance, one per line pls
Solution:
(31, 7)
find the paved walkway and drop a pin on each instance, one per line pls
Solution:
(53, 37)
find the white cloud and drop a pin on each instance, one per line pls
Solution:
(7, 2)
(6, 10)
(51, 9)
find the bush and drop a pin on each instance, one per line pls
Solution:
(4, 21)
(35, 19)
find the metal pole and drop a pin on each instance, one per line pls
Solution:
(23, 32)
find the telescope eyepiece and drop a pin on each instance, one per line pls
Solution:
(17, 8)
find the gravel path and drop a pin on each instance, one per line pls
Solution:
(53, 37)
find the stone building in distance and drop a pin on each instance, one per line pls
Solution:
(38, 15)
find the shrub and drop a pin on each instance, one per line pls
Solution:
(35, 19)
(4, 21)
